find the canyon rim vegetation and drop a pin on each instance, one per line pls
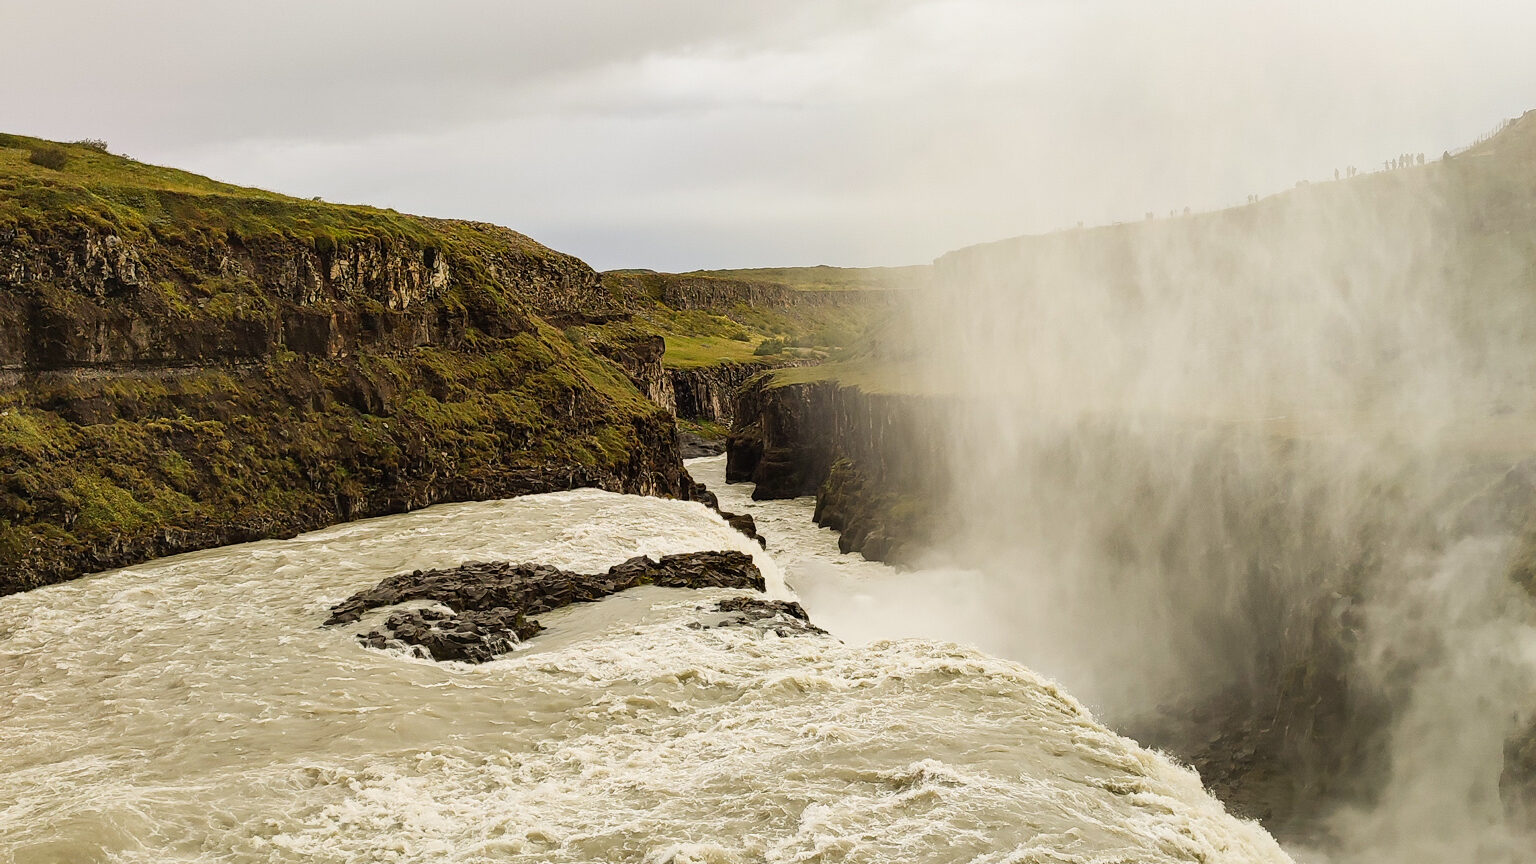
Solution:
(905, 431)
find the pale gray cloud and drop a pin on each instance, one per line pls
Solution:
(685, 133)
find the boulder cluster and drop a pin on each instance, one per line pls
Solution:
(780, 617)
(490, 604)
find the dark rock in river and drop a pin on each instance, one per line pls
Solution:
(696, 491)
(473, 637)
(693, 490)
(744, 523)
(491, 602)
(782, 617)
(695, 446)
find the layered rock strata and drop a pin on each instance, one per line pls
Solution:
(872, 460)
(188, 364)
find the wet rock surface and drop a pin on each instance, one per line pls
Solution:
(781, 617)
(695, 491)
(744, 523)
(489, 604)
(694, 446)
(473, 637)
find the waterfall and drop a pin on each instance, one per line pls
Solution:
(1249, 484)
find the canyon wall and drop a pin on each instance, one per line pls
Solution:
(187, 364)
(1254, 483)
(875, 463)
(709, 393)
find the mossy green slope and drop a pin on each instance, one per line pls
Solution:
(826, 278)
(770, 317)
(187, 363)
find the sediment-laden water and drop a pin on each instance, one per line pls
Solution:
(862, 601)
(192, 709)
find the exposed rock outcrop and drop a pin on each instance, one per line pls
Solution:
(872, 460)
(780, 617)
(708, 393)
(184, 369)
(85, 296)
(490, 604)
(641, 357)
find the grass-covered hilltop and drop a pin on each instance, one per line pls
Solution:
(770, 315)
(188, 363)
(722, 328)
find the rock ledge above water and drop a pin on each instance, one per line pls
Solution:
(491, 603)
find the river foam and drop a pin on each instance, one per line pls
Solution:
(192, 709)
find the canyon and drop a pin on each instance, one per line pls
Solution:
(190, 365)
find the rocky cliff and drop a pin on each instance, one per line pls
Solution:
(187, 363)
(1280, 709)
(690, 340)
(640, 357)
(702, 394)
(708, 394)
(878, 464)
(875, 463)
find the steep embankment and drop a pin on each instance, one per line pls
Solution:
(705, 334)
(872, 456)
(188, 363)
(1229, 447)
(1478, 203)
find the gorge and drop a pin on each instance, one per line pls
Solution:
(1253, 485)
(1287, 444)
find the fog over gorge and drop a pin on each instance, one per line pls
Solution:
(1262, 441)
(868, 431)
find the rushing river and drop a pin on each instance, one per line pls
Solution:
(192, 709)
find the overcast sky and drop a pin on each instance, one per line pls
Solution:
(679, 134)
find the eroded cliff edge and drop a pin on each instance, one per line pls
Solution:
(188, 364)
(875, 463)
(1294, 722)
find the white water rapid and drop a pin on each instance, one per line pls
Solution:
(192, 709)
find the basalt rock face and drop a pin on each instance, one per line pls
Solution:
(784, 439)
(492, 603)
(881, 519)
(703, 394)
(85, 295)
(640, 359)
(183, 369)
(873, 461)
(708, 393)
